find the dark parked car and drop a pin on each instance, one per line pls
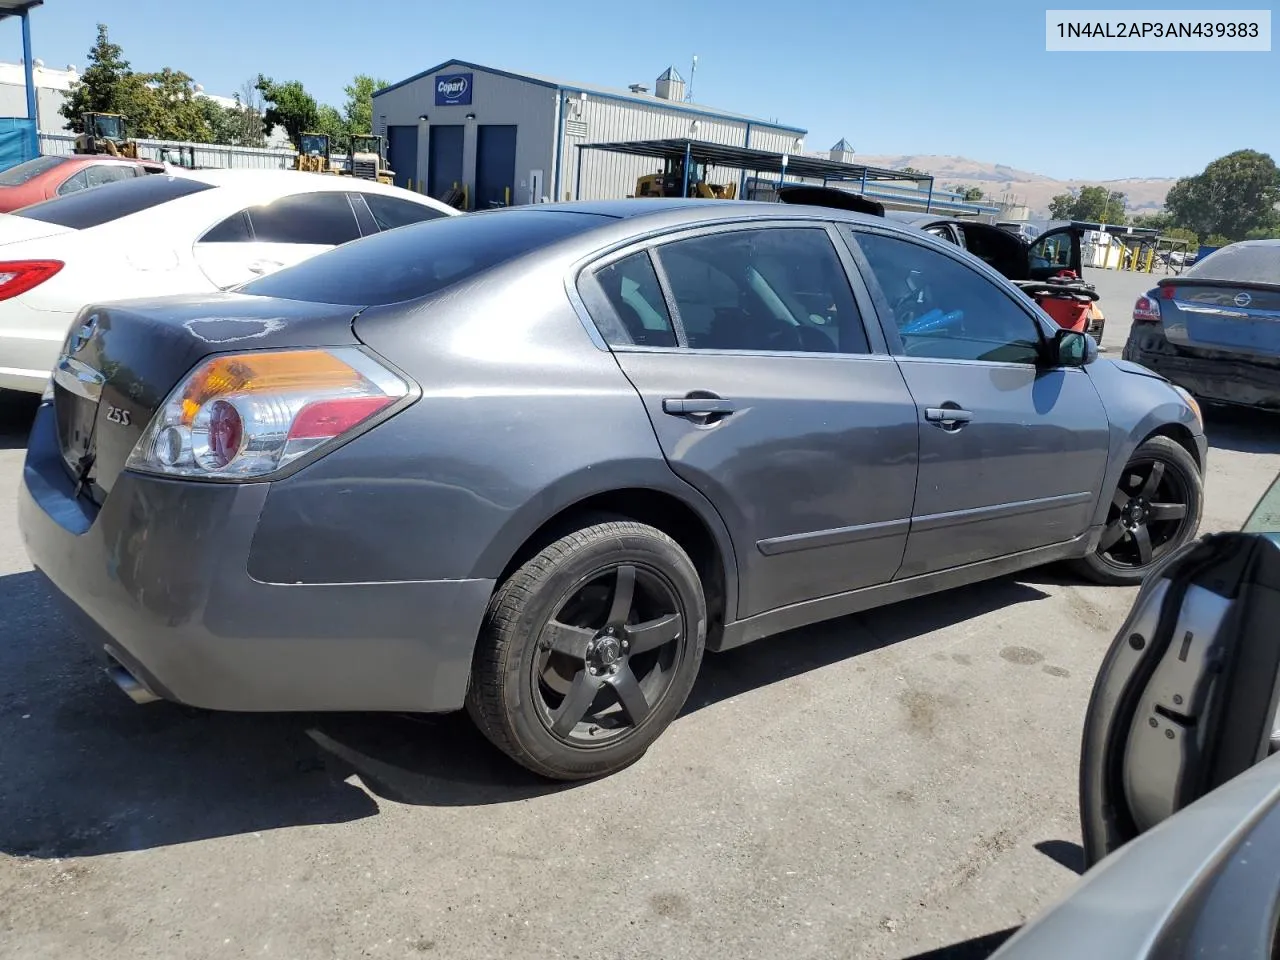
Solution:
(1215, 329)
(43, 178)
(537, 460)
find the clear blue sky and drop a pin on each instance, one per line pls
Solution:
(911, 76)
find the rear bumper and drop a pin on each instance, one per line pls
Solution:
(1218, 379)
(158, 579)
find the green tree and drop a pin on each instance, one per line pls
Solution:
(1264, 233)
(1089, 204)
(358, 110)
(98, 88)
(288, 105)
(1216, 240)
(968, 193)
(168, 108)
(329, 120)
(1182, 233)
(1161, 221)
(913, 170)
(1235, 194)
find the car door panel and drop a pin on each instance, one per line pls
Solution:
(813, 471)
(777, 413)
(1021, 473)
(1012, 454)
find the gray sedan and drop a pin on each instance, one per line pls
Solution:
(536, 461)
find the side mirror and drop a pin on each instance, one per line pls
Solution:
(1187, 695)
(1070, 348)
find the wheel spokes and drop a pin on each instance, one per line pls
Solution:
(576, 703)
(1111, 536)
(1167, 511)
(567, 639)
(1142, 538)
(1153, 481)
(1120, 500)
(624, 590)
(653, 633)
(630, 695)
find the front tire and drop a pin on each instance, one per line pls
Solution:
(1154, 510)
(589, 651)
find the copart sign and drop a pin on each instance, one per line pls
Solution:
(453, 89)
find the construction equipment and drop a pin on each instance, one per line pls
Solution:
(105, 133)
(179, 155)
(314, 154)
(367, 159)
(670, 181)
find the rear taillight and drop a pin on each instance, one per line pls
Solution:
(242, 416)
(19, 276)
(1146, 310)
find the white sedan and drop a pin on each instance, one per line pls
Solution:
(199, 231)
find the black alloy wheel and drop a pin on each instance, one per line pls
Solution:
(1154, 509)
(589, 650)
(607, 655)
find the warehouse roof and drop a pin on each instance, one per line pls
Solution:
(762, 161)
(611, 93)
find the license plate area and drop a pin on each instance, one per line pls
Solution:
(77, 393)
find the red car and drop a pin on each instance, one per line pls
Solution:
(43, 178)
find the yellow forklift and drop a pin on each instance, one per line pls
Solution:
(314, 154)
(366, 159)
(105, 133)
(669, 182)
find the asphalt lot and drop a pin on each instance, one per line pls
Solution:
(880, 786)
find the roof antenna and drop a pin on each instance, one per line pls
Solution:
(688, 91)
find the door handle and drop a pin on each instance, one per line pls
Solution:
(948, 418)
(261, 267)
(697, 406)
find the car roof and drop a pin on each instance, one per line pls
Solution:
(286, 181)
(675, 210)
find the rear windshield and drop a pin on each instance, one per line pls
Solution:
(17, 176)
(1245, 263)
(111, 201)
(419, 259)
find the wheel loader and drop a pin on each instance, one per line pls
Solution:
(669, 182)
(105, 133)
(314, 154)
(366, 159)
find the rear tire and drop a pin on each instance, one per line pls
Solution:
(1147, 519)
(589, 650)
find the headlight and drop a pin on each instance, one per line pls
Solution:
(242, 416)
(1193, 403)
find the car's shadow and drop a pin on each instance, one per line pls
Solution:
(1242, 429)
(89, 772)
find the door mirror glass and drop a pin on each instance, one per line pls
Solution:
(1071, 348)
(1186, 698)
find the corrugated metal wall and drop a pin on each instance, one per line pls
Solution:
(608, 175)
(206, 154)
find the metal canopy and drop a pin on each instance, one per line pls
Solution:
(747, 158)
(16, 8)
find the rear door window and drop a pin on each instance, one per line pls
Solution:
(74, 183)
(634, 297)
(392, 212)
(776, 289)
(309, 218)
(92, 208)
(104, 173)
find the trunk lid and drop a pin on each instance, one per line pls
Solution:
(1222, 317)
(15, 229)
(121, 362)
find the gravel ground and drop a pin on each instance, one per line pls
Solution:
(880, 786)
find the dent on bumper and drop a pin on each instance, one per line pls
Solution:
(1212, 378)
(159, 577)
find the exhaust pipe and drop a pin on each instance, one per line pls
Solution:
(133, 687)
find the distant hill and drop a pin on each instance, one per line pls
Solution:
(1143, 195)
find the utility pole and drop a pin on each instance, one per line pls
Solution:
(688, 90)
